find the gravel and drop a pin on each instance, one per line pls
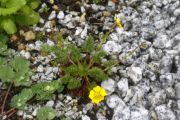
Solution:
(145, 86)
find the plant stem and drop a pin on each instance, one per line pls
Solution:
(5, 98)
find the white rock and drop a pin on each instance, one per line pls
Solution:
(55, 69)
(111, 47)
(60, 15)
(34, 113)
(78, 30)
(177, 90)
(50, 43)
(85, 117)
(135, 73)
(178, 103)
(50, 103)
(121, 114)
(114, 101)
(123, 86)
(84, 33)
(177, 12)
(52, 15)
(38, 45)
(129, 95)
(100, 116)
(139, 113)
(27, 55)
(164, 113)
(20, 113)
(40, 68)
(108, 85)
(111, 4)
(158, 98)
(162, 41)
(114, 37)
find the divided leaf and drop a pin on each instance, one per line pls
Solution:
(96, 58)
(97, 74)
(20, 101)
(88, 45)
(75, 53)
(44, 91)
(46, 113)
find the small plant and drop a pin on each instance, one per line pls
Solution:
(14, 71)
(20, 12)
(11, 67)
(80, 67)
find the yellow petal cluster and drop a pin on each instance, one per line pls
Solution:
(97, 94)
(118, 22)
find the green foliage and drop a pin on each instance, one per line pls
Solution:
(41, 91)
(97, 74)
(13, 69)
(77, 68)
(17, 11)
(46, 113)
(20, 101)
(88, 45)
(45, 90)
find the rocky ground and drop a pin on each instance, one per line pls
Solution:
(146, 86)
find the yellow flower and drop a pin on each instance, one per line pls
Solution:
(118, 22)
(97, 94)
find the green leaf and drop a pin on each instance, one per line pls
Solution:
(72, 70)
(75, 53)
(20, 101)
(27, 17)
(6, 73)
(22, 71)
(65, 79)
(8, 25)
(34, 4)
(46, 113)
(97, 74)
(74, 83)
(44, 91)
(88, 45)
(110, 63)
(11, 7)
(96, 58)
(71, 82)
(3, 47)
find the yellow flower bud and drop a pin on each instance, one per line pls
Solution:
(118, 22)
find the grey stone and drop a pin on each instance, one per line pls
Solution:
(123, 86)
(121, 114)
(52, 15)
(164, 113)
(177, 90)
(177, 12)
(111, 47)
(139, 113)
(85, 117)
(40, 68)
(114, 101)
(109, 85)
(50, 103)
(166, 64)
(135, 73)
(60, 15)
(155, 54)
(162, 41)
(158, 98)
